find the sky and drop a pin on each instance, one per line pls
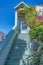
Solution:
(7, 12)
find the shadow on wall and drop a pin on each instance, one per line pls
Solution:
(16, 52)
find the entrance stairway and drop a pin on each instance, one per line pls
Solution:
(20, 50)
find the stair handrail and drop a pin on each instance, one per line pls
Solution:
(7, 38)
(7, 44)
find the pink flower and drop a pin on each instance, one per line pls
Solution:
(40, 17)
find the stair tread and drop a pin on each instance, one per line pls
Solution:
(17, 50)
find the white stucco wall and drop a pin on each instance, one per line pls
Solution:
(39, 9)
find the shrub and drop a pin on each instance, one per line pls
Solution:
(37, 33)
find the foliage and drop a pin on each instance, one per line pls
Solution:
(37, 33)
(30, 13)
(35, 23)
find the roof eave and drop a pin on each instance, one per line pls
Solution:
(20, 4)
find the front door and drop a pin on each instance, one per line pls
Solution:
(23, 26)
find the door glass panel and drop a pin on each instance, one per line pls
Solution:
(24, 25)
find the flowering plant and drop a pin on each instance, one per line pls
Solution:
(35, 23)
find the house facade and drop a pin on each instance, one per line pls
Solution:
(17, 48)
(20, 18)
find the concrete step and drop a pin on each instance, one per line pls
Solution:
(24, 36)
(17, 50)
